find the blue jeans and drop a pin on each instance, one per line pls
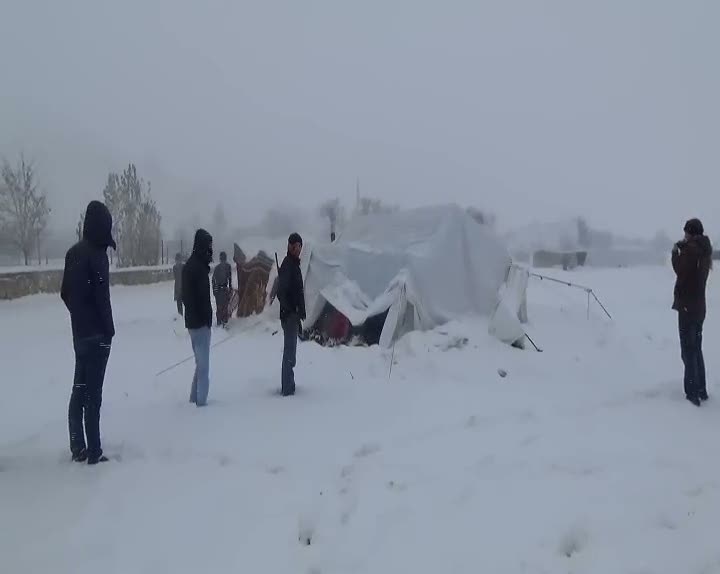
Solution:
(91, 358)
(200, 339)
(691, 329)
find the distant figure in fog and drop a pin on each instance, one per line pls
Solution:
(692, 261)
(86, 293)
(177, 274)
(222, 287)
(198, 312)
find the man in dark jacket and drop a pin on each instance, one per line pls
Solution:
(291, 294)
(86, 293)
(222, 286)
(177, 275)
(198, 312)
(692, 261)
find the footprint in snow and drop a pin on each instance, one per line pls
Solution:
(306, 531)
(666, 522)
(573, 542)
(346, 471)
(396, 486)
(367, 450)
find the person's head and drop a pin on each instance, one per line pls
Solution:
(178, 258)
(203, 245)
(693, 228)
(295, 244)
(223, 257)
(97, 227)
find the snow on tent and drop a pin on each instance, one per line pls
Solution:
(391, 273)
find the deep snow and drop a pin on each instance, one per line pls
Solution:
(585, 458)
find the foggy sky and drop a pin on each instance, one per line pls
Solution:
(533, 109)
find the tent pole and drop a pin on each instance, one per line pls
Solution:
(588, 306)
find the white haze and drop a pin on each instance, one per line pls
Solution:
(534, 110)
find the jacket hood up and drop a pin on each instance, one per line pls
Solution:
(202, 246)
(702, 245)
(97, 228)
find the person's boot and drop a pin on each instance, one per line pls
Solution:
(694, 400)
(94, 461)
(80, 456)
(704, 396)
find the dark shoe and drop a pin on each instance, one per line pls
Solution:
(704, 396)
(93, 461)
(80, 456)
(694, 400)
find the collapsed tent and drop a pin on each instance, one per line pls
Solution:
(391, 273)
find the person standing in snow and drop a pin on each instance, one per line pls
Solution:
(692, 261)
(85, 291)
(177, 274)
(198, 312)
(291, 294)
(222, 286)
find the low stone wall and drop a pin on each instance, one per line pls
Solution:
(22, 284)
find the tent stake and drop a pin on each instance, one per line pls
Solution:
(538, 349)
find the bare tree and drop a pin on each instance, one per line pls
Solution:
(24, 211)
(136, 218)
(332, 209)
(370, 205)
(279, 221)
(80, 227)
(482, 217)
(219, 219)
(583, 232)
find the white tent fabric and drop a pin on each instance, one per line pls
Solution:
(511, 311)
(424, 266)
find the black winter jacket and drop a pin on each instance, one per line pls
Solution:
(692, 261)
(222, 277)
(291, 291)
(86, 279)
(196, 283)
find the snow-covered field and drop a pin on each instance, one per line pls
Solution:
(585, 458)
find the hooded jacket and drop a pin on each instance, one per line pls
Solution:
(692, 261)
(196, 283)
(86, 278)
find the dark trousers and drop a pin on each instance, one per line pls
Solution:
(222, 297)
(290, 326)
(91, 357)
(691, 328)
(180, 307)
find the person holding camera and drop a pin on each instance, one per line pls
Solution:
(692, 262)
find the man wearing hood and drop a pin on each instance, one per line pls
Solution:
(692, 261)
(198, 312)
(291, 294)
(86, 293)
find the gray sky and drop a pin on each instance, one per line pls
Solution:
(533, 109)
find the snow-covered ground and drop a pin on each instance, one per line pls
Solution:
(585, 458)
